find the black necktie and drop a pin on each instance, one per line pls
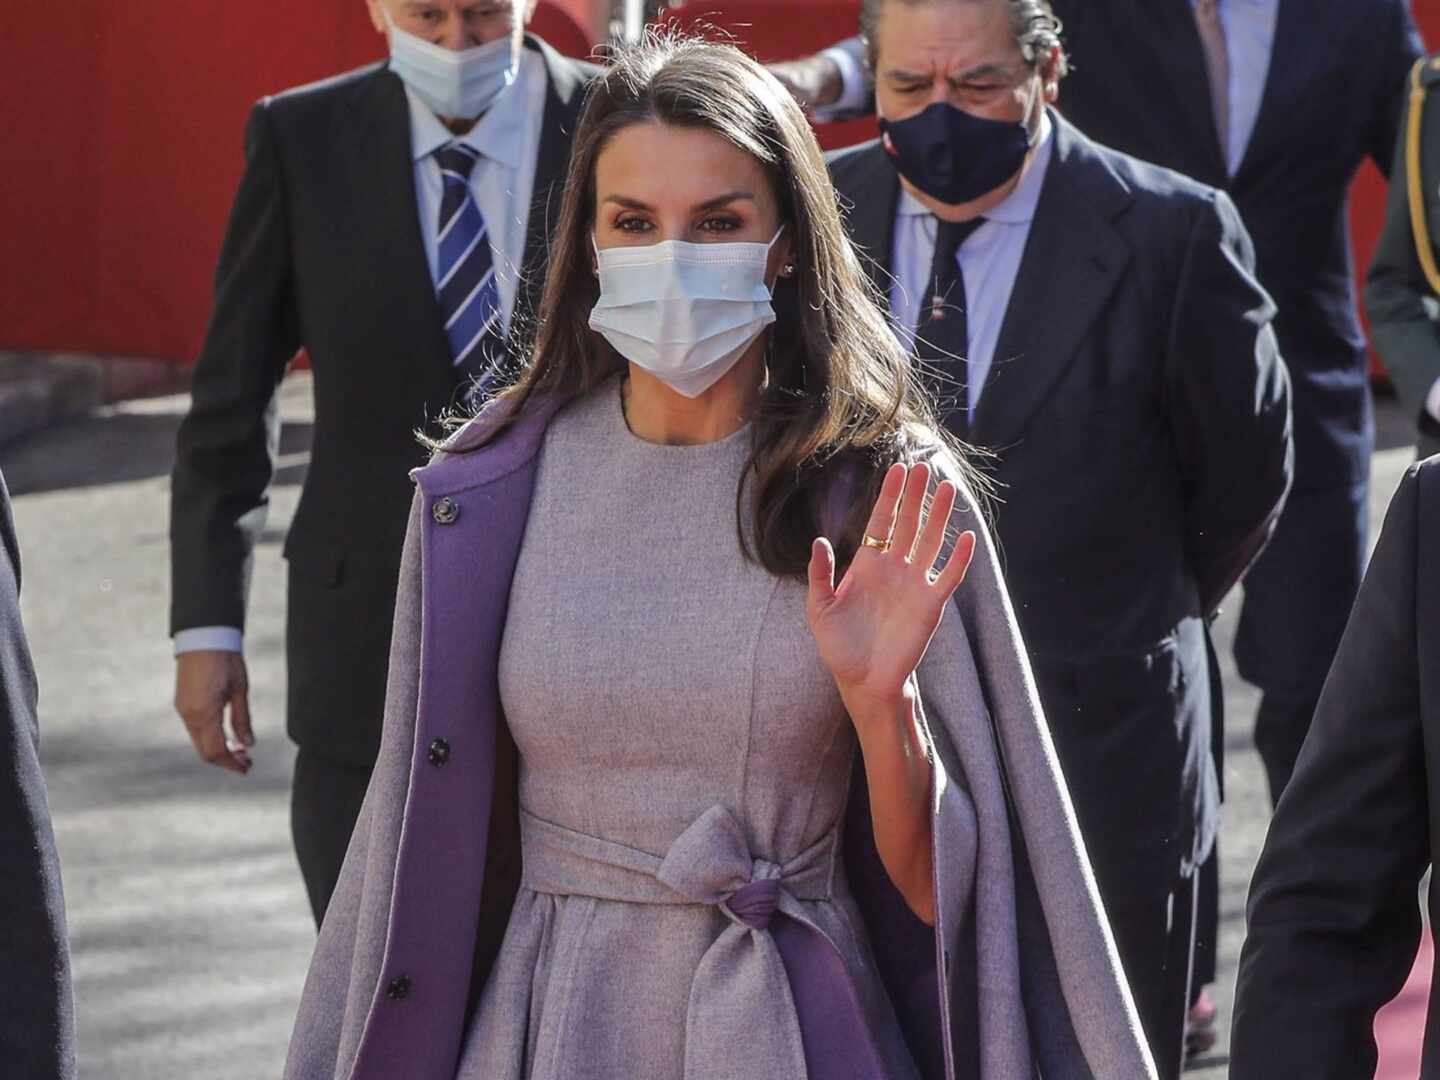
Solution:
(942, 332)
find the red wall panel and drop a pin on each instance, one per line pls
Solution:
(49, 89)
(124, 127)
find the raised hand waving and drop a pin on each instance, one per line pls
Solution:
(873, 628)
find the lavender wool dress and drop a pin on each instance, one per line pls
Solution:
(678, 736)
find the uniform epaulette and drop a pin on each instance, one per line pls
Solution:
(1430, 73)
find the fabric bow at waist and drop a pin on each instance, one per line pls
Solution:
(772, 996)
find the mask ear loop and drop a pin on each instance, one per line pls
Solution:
(788, 269)
(1032, 136)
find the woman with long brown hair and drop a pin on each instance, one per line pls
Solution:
(657, 797)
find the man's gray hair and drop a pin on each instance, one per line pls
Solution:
(1037, 28)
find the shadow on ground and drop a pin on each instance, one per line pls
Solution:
(124, 444)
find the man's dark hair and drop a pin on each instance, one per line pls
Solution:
(1037, 28)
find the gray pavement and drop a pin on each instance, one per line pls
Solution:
(188, 920)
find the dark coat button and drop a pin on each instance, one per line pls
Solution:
(439, 752)
(399, 988)
(445, 511)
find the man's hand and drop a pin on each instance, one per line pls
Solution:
(206, 683)
(814, 81)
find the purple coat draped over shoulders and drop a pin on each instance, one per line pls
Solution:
(1018, 978)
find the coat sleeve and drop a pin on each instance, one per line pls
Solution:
(37, 1021)
(1333, 915)
(346, 965)
(226, 446)
(1229, 399)
(1397, 52)
(857, 96)
(1405, 335)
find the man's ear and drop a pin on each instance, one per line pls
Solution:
(1051, 71)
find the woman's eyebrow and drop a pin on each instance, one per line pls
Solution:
(725, 200)
(709, 204)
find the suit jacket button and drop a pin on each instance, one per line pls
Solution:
(445, 511)
(399, 988)
(439, 752)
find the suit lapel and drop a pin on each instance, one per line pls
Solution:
(384, 164)
(563, 97)
(1073, 260)
(1293, 49)
(1184, 76)
(870, 194)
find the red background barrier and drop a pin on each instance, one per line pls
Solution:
(123, 127)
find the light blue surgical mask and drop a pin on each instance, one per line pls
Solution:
(684, 312)
(457, 85)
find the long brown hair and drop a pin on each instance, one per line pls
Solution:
(840, 390)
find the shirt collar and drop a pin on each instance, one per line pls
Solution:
(498, 134)
(1019, 206)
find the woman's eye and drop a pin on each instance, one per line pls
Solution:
(633, 225)
(719, 224)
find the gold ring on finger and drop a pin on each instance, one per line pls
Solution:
(880, 544)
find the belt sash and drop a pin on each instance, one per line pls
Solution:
(772, 953)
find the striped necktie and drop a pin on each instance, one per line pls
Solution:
(465, 270)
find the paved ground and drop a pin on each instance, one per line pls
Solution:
(190, 929)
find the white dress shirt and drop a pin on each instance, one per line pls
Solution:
(989, 260)
(1249, 28)
(507, 138)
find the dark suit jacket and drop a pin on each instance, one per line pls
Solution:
(37, 1018)
(1398, 297)
(324, 251)
(1334, 916)
(1140, 415)
(1332, 98)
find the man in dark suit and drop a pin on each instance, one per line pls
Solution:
(1119, 362)
(393, 221)
(1276, 102)
(1323, 88)
(1403, 291)
(1334, 917)
(37, 1021)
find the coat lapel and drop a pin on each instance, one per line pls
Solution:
(384, 162)
(1073, 260)
(469, 504)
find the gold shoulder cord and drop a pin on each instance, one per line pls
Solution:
(1416, 185)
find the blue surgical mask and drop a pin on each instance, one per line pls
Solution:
(457, 85)
(952, 155)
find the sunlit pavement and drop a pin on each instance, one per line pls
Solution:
(188, 921)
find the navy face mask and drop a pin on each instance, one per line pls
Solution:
(952, 155)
